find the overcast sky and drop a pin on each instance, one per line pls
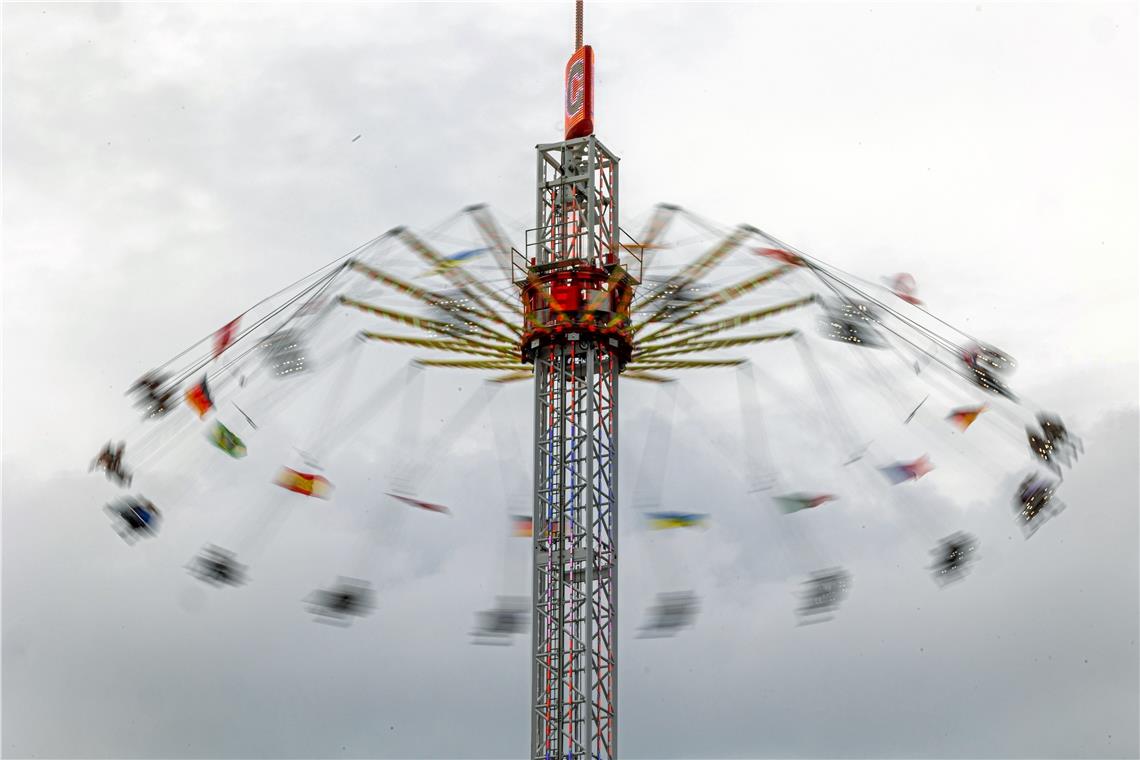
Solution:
(167, 165)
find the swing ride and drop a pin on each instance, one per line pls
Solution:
(582, 307)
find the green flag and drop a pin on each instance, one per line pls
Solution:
(224, 439)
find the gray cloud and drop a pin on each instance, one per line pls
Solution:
(165, 165)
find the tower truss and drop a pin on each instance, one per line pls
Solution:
(576, 289)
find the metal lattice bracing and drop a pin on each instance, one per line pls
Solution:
(574, 283)
(577, 203)
(575, 571)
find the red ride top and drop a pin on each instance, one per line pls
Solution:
(579, 300)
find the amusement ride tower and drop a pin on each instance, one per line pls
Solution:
(577, 280)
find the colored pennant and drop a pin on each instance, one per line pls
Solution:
(224, 439)
(903, 286)
(795, 502)
(900, 472)
(522, 526)
(963, 417)
(667, 520)
(422, 504)
(199, 398)
(454, 260)
(224, 337)
(304, 483)
(782, 256)
(908, 298)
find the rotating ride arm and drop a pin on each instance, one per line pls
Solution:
(728, 323)
(648, 377)
(432, 299)
(684, 364)
(695, 271)
(493, 236)
(689, 347)
(663, 214)
(475, 348)
(712, 301)
(420, 323)
(474, 364)
(469, 286)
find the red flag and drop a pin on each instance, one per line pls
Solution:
(782, 256)
(199, 399)
(224, 337)
(903, 286)
(422, 504)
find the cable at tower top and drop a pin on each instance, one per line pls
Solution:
(577, 25)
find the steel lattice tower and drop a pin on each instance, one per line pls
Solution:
(577, 280)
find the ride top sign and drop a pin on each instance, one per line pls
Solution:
(580, 93)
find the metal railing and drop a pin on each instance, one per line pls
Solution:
(630, 256)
